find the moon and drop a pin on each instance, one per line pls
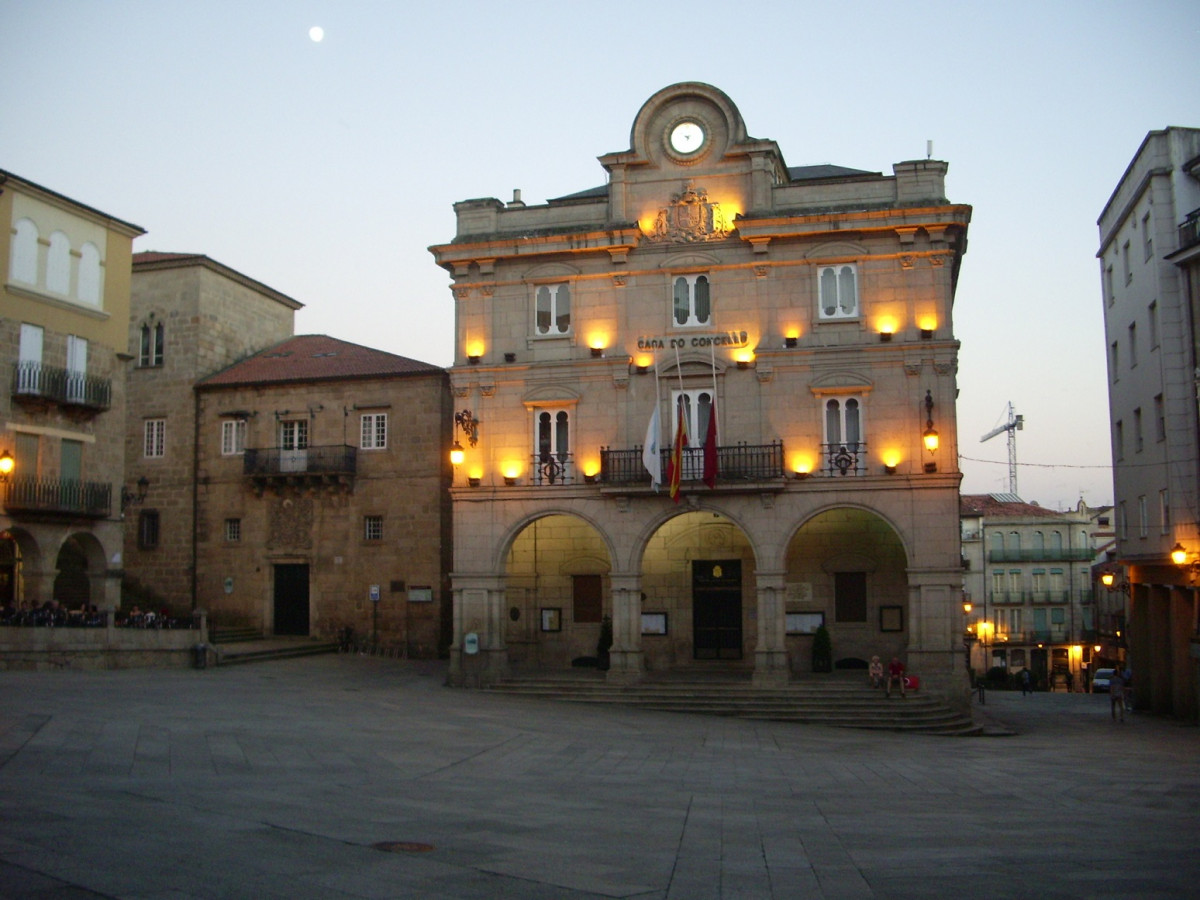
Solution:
(316, 34)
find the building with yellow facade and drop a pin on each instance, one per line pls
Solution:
(64, 315)
(777, 338)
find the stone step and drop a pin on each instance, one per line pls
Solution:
(234, 634)
(288, 650)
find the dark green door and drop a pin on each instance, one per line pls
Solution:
(717, 609)
(291, 599)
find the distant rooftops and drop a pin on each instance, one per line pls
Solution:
(315, 357)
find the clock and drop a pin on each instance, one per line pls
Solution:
(687, 137)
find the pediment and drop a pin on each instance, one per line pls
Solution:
(836, 250)
(690, 260)
(549, 271)
(550, 395)
(840, 383)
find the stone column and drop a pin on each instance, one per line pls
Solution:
(933, 622)
(626, 664)
(770, 653)
(479, 603)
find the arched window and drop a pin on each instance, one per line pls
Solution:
(692, 301)
(58, 264)
(845, 450)
(553, 312)
(23, 266)
(552, 452)
(151, 351)
(89, 274)
(839, 292)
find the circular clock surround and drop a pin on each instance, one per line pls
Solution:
(686, 137)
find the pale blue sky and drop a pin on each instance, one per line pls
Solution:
(326, 169)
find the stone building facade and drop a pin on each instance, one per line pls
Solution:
(1149, 257)
(322, 494)
(191, 316)
(64, 309)
(811, 308)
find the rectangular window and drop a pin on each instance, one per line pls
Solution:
(374, 431)
(1119, 440)
(1110, 293)
(1143, 524)
(151, 351)
(77, 353)
(1137, 430)
(552, 314)
(1160, 419)
(233, 437)
(838, 289)
(1152, 316)
(1164, 511)
(147, 529)
(1133, 347)
(850, 596)
(1147, 238)
(372, 528)
(29, 359)
(999, 588)
(1058, 616)
(1114, 361)
(587, 598)
(293, 446)
(1122, 522)
(692, 302)
(1125, 267)
(233, 530)
(154, 438)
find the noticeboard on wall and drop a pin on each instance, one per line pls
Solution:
(804, 622)
(654, 623)
(551, 618)
(420, 594)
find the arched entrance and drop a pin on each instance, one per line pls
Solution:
(557, 592)
(698, 586)
(10, 571)
(72, 588)
(846, 568)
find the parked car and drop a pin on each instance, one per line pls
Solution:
(1100, 681)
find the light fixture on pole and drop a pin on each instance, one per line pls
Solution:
(128, 498)
(7, 464)
(929, 437)
(466, 422)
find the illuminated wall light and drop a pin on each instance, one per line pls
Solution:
(511, 471)
(801, 467)
(474, 352)
(927, 324)
(890, 462)
(597, 343)
(744, 358)
(473, 481)
(791, 341)
(887, 328)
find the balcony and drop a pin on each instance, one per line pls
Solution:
(1034, 554)
(33, 381)
(276, 467)
(1189, 230)
(552, 468)
(58, 497)
(844, 459)
(741, 464)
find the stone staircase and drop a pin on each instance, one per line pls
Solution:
(840, 702)
(236, 645)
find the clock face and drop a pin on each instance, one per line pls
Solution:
(687, 137)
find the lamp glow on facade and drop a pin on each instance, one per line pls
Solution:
(7, 463)
(887, 328)
(457, 454)
(929, 437)
(1178, 554)
(801, 466)
(1107, 579)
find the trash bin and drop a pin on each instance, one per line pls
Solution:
(201, 655)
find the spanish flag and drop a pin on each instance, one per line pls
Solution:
(675, 465)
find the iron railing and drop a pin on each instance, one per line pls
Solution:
(1189, 230)
(735, 463)
(1030, 554)
(32, 379)
(552, 468)
(58, 496)
(340, 459)
(844, 459)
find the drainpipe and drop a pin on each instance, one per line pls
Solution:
(195, 490)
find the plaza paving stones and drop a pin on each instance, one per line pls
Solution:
(279, 780)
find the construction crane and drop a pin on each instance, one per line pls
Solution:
(1014, 424)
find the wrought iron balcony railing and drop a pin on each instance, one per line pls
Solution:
(1189, 230)
(58, 496)
(552, 468)
(735, 463)
(844, 459)
(1030, 554)
(339, 459)
(63, 386)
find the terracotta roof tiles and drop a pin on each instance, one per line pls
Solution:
(315, 357)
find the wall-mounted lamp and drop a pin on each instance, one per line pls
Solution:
(589, 477)
(790, 342)
(885, 337)
(1109, 580)
(510, 480)
(926, 334)
(743, 363)
(891, 470)
(473, 482)
(800, 476)
(642, 370)
(967, 607)
(1179, 556)
(7, 463)
(597, 352)
(465, 421)
(929, 437)
(473, 360)
(510, 357)
(129, 498)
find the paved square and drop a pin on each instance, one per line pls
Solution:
(278, 780)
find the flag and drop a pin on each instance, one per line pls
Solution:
(651, 458)
(675, 466)
(710, 447)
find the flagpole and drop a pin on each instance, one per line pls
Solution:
(712, 407)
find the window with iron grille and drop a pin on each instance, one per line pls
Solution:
(233, 530)
(373, 528)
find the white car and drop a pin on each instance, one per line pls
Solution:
(1100, 681)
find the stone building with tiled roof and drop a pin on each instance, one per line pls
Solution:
(322, 498)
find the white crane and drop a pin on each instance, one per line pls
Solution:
(1014, 424)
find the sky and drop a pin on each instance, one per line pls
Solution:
(326, 169)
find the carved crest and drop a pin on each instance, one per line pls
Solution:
(690, 218)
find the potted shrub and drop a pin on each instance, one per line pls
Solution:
(822, 651)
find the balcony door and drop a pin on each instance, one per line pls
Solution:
(77, 353)
(29, 360)
(695, 407)
(293, 446)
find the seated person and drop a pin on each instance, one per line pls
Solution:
(895, 676)
(875, 672)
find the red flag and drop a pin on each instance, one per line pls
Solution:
(675, 464)
(710, 448)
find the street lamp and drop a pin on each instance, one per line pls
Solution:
(7, 463)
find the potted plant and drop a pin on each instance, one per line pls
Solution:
(822, 651)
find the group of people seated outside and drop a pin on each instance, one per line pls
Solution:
(53, 614)
(894, 675)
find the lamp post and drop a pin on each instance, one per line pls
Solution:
(929, 437)
(464, 421)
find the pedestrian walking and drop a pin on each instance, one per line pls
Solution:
(1116, 694)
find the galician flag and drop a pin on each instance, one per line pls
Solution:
(650, 455)
(675, 466)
